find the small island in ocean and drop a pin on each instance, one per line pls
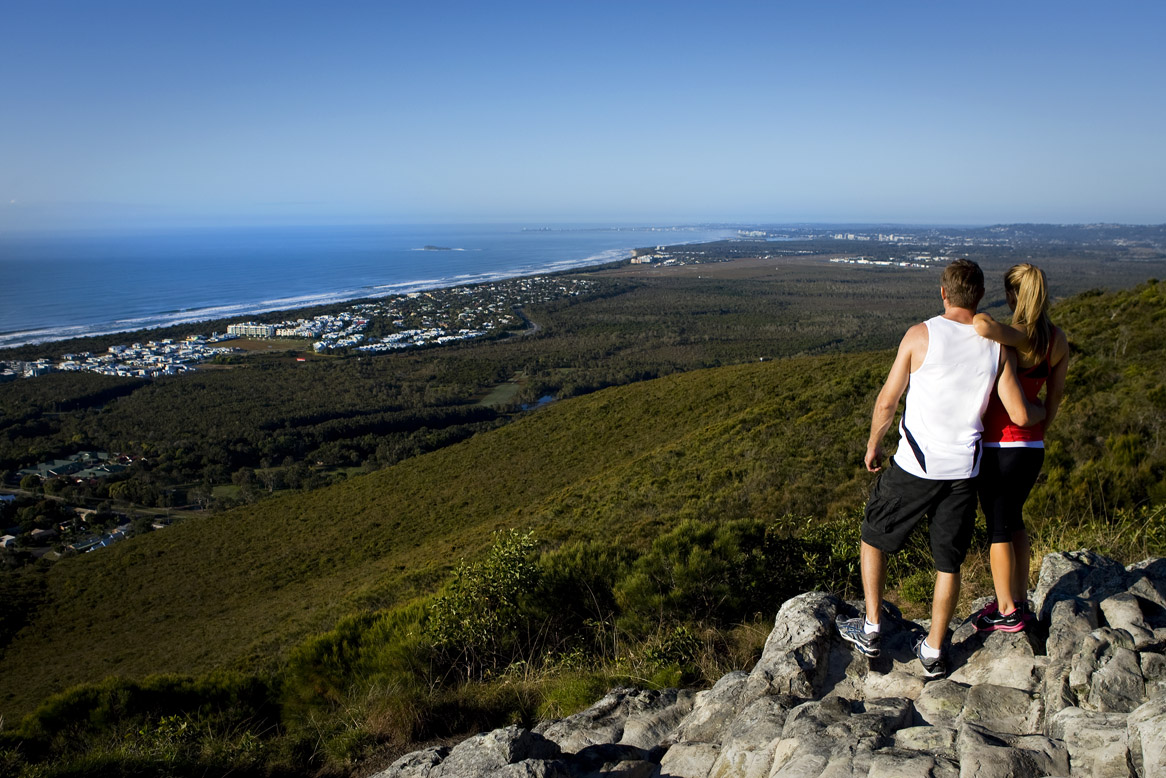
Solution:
(436, 248)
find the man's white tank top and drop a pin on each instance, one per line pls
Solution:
(946, 399)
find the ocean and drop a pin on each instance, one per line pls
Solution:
(57, 286)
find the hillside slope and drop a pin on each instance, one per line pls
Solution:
(232, 589)
(763, 440)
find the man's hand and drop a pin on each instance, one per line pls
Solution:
(912, 350)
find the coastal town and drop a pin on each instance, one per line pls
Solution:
(914, 261)
(137, 360)
(413, 320)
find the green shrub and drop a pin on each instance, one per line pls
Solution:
(830, 552)
(222, 701)
(162, 725)
(361, 653)
(473, 621)
(678, 646)
(321, 670)
(574, 604)
(918, 586)
(711, 573)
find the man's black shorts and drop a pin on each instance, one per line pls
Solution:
(899, 500)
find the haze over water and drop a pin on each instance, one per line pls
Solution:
(68, 285)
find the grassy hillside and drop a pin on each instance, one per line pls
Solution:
(776, 442)
(621, 464)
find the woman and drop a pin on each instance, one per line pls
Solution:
(1013, 455)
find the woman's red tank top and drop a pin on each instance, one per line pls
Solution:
(998, 428)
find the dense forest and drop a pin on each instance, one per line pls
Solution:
(641, 534)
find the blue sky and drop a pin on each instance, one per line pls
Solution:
(116, 114)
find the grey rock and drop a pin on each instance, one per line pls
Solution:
(1118, 685)
(1003, 709)
(1106, 675)
(836, 736)
(1076, 574)
(899, 763)
(601, 723)
(814, 716)
(941, 702)
(630, 716)
(792, 760)
(795, 657)
(632, 768)
(1147, 582)
(934, 740)
(1003, 658)
(532, 768)
(1153, 665)
(744, 763)
(749, 743)
(1055, 689)
(879, 719)
(990, 755)
(1071, 621)
(809, 739)
(762, 719)
(897, 683)
(712, 710)
(1122, 611)
(689, 760)
(1112, 760)
(485, 754)
(1154, 671)
(1098, 743)
(596, 758)
(652, 715)
(965, 630)
(418, 764)
(1146, 727)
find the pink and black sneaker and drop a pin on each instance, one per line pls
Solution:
(995, 621)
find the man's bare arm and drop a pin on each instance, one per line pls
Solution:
(1022, 412)
(912, 349)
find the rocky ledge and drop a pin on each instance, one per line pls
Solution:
(1080, 693)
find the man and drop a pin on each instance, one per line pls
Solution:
(948, 372)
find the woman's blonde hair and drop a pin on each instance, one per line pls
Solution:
(1027, 284)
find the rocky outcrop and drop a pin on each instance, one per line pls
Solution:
(1081, 693)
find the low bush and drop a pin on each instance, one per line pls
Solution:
(474, 622)
(715, 574)
(163, 725)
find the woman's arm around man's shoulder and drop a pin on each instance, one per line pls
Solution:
(987, 327)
